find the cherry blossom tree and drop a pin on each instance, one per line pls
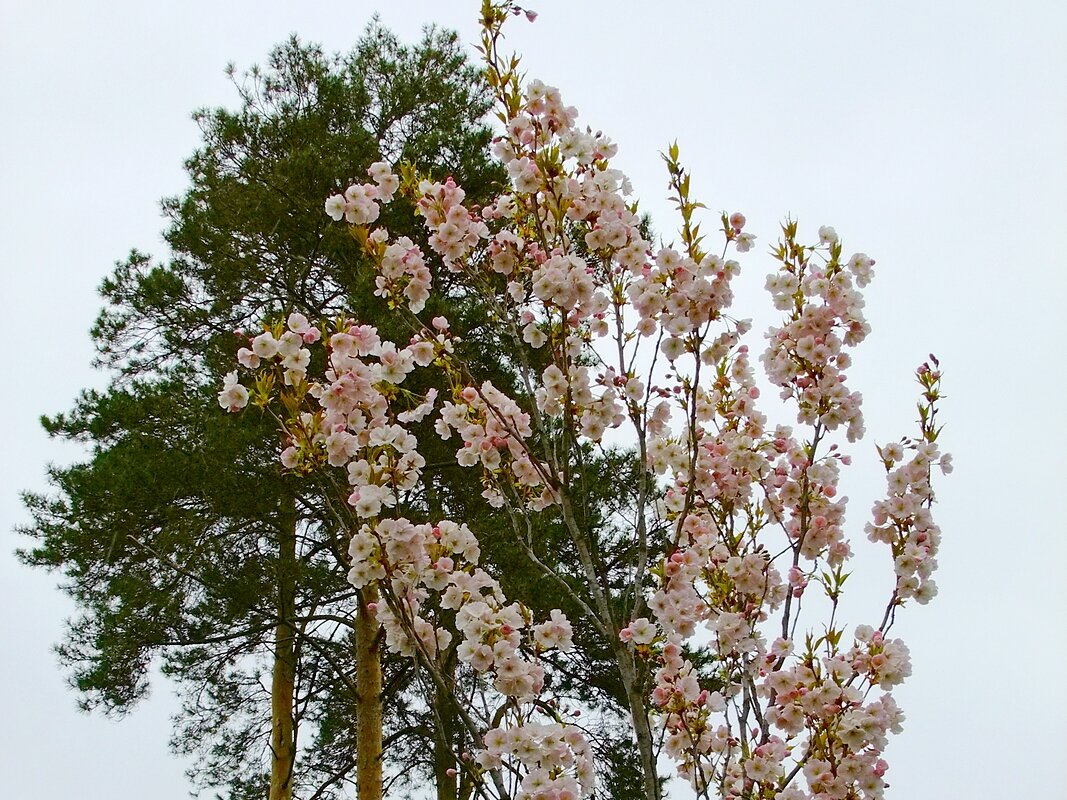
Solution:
(720, 600)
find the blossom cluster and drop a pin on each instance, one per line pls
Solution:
(494, 430)
(542, 750)
(903, 519)
(361, 203)
(806, 356)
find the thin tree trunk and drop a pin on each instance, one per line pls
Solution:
(444, 754)
(283, 682)
(368, 702)
(639, 715)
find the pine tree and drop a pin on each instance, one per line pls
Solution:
(171, 537)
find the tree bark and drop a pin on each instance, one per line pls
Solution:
(283, 681)
(368, 702)
(639, 715)
(444, 753)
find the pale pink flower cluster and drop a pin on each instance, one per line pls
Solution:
(233, 396)
(725, 458)
(883, 662)
(597, 408)
(557, 761)
(360, 204)
(403, 270)
(806, 355)
(803, 496)
(494, 429)
(903, 519)
(733, 227)
(822, 696)
(287, 348)
(456, 230)
(679, 295)
(442, 558)
(689, 711)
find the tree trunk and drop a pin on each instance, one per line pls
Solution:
(283, 682)
(444, 753)
(368, 702)
(639, 716)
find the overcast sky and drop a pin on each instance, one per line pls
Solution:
(932, 135)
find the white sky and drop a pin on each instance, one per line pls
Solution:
(933, 136)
